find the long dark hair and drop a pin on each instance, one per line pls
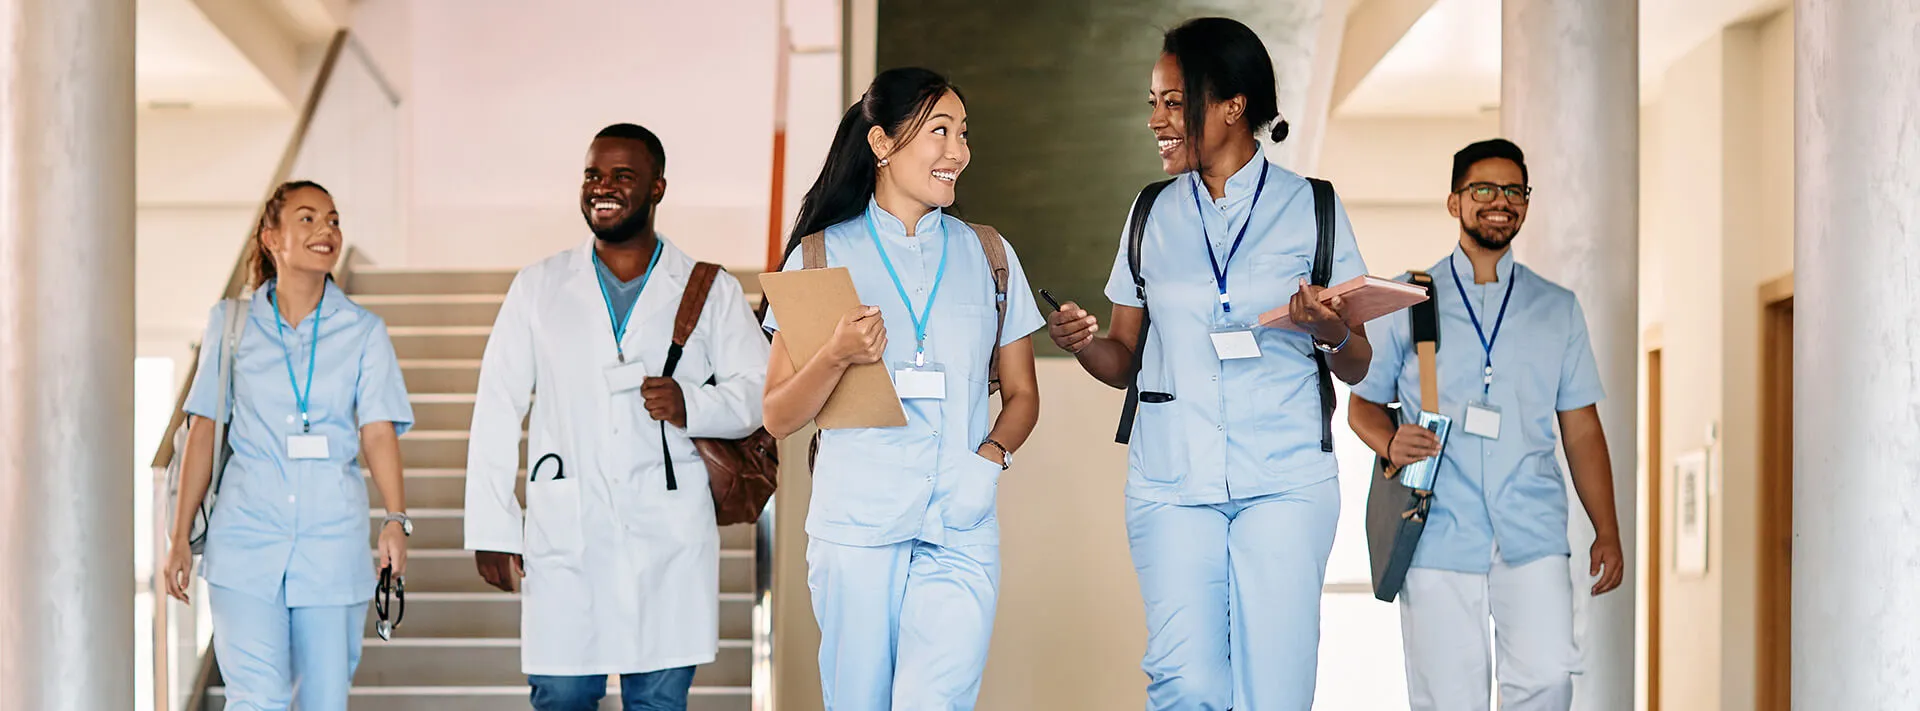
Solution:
(1220, 59)
(262, 260)
(898, 101)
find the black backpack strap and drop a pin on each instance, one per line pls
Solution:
(1322, 273)
(1136, 235)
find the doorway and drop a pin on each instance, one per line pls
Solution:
(1774, 614)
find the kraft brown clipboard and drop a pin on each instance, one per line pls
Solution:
(809, 304)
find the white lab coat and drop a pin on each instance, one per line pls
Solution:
(622, 575)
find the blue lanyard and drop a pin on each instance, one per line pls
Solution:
(1219, 267)
(925, 316)
(302, 397)
(620, 324)
(1486, 342)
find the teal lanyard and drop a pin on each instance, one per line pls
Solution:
(925, 316)
(302, 397)
(620, 324)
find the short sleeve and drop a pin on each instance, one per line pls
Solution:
(1347, 263)
(770, 323)
(382, 394)
(1120, 287)
(1388, 335)
(1579, 375)
(1023, 314)
(203, 399)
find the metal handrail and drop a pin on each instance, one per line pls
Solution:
(763, 565)
(237, 279)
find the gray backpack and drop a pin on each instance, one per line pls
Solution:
(236, 326)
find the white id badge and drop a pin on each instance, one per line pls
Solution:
(622, 377)
(920, 382)
(1235, 345)
(310, 446)
(1483, 420)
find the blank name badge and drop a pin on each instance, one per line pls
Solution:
(920, 382)
(1236, 344)
(307, 446)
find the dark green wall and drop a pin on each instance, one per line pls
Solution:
(1056, 102)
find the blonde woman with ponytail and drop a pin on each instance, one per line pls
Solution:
(315, 387)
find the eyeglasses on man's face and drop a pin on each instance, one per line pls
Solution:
(1485, 192)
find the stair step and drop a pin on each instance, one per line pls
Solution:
(429, 488)
(441, 377)
(445, 529)
(440, 342)
(452, 571)
(373, 281)
(441, 449)
(402, 311)
(496, 615)
(500, 698)
(419, 661)
(442, 411)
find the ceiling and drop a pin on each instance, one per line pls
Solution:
(181, 60)
(1448, 63)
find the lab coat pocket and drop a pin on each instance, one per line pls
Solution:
(553, 518)
(971, 497)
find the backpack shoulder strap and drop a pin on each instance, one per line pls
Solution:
(1424, 318)
(996, 263)
(1322, 273)
(692, 302)
(1323, 202)
(1136, 237)
(813, 251)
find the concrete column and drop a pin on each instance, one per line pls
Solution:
(66, 354)
(1570, 97)
(1856, 352)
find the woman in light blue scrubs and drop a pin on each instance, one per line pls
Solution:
(315, 386)
(903, 547)
(1231, 497)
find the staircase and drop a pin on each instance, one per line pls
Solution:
(458, 646)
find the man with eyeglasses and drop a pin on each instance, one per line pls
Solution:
(1513, 360)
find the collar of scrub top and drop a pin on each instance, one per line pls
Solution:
(330, 298)
(1499, 318)
(925, 315)
(1228, 197)
(620, 324)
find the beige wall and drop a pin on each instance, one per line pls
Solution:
(1392, 174)
(1716, 224)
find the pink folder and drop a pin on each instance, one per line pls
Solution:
(1367, 297)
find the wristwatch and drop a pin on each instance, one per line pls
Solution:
(1006, 455)
(406, 522)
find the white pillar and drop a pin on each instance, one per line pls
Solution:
(1856, 351)
(66, 354)
(1570, 98)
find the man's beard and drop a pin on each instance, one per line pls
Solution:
(1488, 239)
(626, 229)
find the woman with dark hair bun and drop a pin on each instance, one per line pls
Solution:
(1232, 494)
(903, 558)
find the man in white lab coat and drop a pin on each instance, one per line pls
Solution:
(618, 547)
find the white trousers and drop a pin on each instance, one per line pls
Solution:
(1443, 622)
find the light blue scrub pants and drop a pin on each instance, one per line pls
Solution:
(903, 627)
(1232, 596)
(270, 653)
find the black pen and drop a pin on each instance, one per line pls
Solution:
(1050, 299)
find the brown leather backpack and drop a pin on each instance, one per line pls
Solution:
(742, 473)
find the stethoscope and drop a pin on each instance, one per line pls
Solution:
(559, 468)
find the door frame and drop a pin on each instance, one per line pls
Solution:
(1773, 609)
(1654, 350)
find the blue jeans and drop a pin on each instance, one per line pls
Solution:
(664, 690)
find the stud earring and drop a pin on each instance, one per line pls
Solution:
(883, 162)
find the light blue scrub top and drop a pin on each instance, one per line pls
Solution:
(1235, 429)
(884, 485)
(304, 522)
(1510, 490)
